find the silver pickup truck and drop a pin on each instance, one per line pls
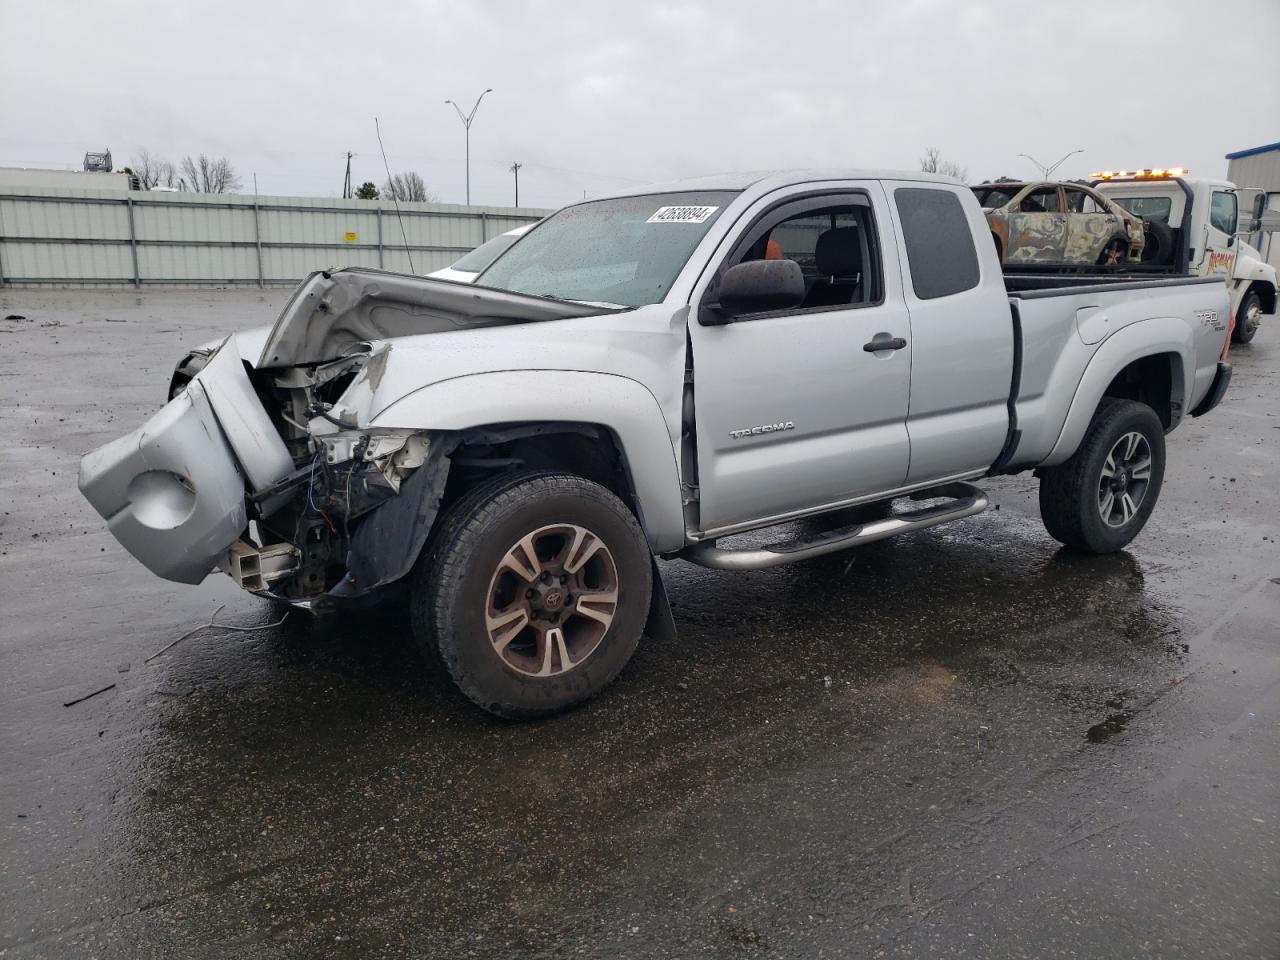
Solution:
(648, 375)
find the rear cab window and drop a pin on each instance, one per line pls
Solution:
(940, 252)
(1147, 208)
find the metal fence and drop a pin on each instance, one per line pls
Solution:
(61, 236)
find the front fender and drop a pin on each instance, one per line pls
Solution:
(1253, 269)
(1146, 338)
(617, 403)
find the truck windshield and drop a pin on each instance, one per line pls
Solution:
(485, 254)
(1148, 208)
(626, 251)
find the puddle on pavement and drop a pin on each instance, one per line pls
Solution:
(1108, 728)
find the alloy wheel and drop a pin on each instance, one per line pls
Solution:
(1126, 475)
(551, 600)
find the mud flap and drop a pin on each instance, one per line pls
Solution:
(661, 625)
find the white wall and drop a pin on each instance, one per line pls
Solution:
(65, 236)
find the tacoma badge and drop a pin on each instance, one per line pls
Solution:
(763, 428)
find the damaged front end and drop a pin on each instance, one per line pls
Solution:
(260, 473)
(264, 462)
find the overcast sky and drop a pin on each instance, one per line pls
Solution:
(592, 96)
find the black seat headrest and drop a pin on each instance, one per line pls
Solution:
(838, 252)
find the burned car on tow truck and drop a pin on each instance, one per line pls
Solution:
(1057, 224)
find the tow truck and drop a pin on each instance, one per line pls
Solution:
(1194, 229)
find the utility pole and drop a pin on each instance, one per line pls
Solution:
(466, 119)
(1047, 171)
(515, 169)
(346, 184)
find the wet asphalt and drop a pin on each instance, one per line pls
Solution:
(962, 743)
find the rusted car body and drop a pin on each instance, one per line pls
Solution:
(1054, 224)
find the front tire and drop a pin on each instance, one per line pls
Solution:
(1248, 317)
(1100, 498)
(533, 593)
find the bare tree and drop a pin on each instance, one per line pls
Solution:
(153, 170)
(932, 162)
(407, 186)
(209, 175)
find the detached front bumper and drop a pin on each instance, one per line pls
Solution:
(173, 491)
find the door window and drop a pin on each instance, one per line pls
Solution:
(1222, 211)
(833, 240)
(1081, 201)
(1044, 200)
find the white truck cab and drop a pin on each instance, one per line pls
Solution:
(1195, 230)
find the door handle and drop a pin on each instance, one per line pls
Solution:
(881, 342)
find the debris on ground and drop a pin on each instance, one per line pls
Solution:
(89, 696)
(220, 626)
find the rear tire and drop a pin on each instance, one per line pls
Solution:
(1115, 254)
(533, 592)
(1100, 498)
(1247, 317)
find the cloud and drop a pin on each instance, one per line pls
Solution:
(594, 96)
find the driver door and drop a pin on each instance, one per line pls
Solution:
(793, 412)
(1219, 245)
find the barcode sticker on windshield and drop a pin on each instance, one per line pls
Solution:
(682, 214)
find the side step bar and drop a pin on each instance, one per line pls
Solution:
(965, 501)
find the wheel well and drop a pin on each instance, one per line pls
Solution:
(1152, 380)
(586, 449)
(995, 238)
(1266, 293)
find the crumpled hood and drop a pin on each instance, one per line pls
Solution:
(644, 345)
(332, 312)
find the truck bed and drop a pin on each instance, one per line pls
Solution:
(1059, 322)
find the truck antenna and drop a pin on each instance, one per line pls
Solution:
(394, 199)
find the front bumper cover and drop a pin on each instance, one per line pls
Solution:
(173, 491)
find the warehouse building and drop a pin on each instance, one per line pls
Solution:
(1257, 171)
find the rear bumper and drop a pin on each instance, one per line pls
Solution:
(1217, 390)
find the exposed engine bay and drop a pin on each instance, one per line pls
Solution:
(302, 533)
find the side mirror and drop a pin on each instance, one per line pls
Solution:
(759, 286)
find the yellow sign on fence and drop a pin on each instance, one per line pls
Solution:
(349, 236)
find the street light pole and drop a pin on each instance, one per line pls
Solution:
(466, 119)
(1047, 171)
(515, 169)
